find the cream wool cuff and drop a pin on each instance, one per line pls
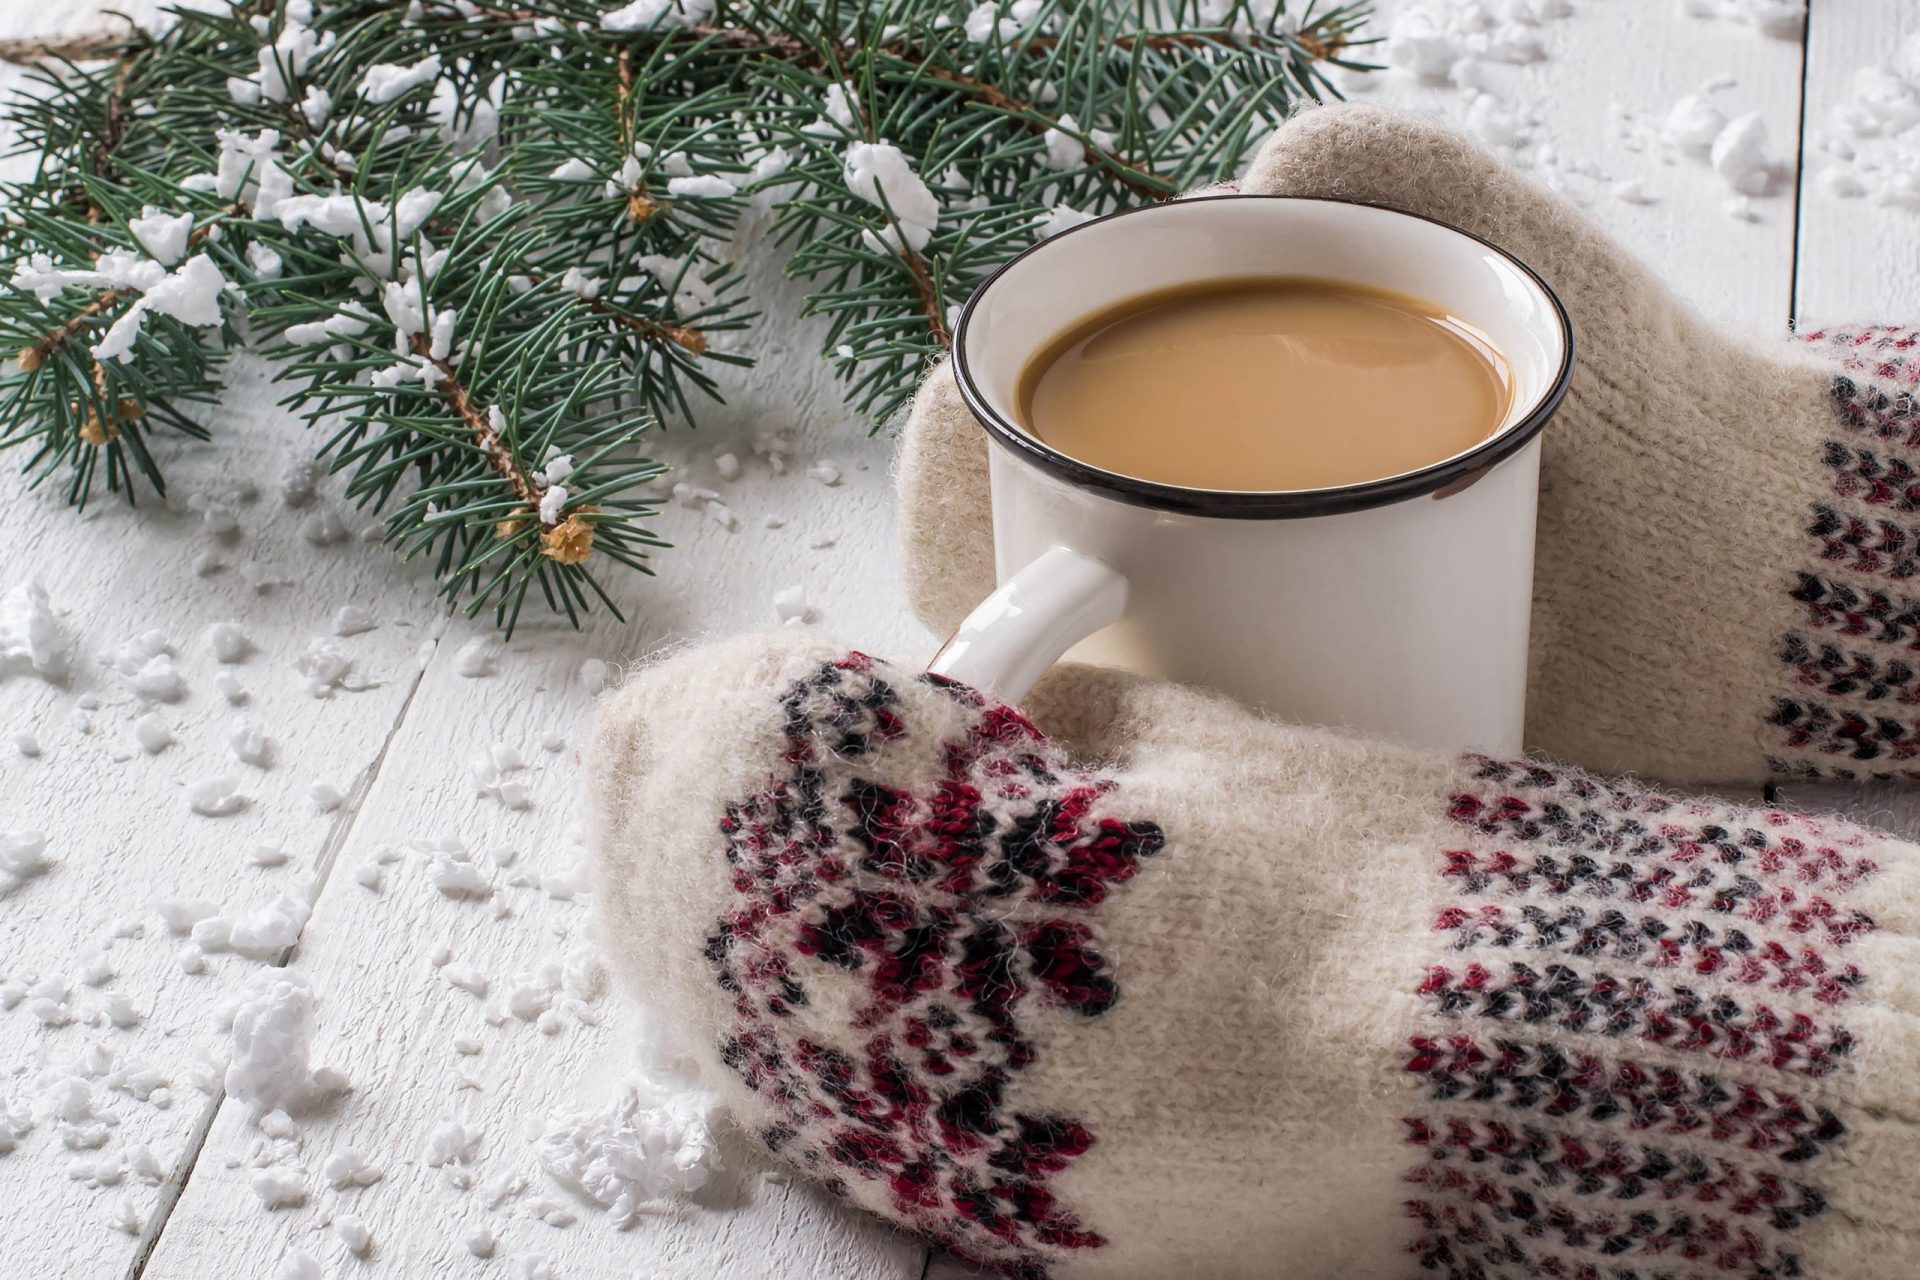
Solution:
(1147, 986)
(1727, 532)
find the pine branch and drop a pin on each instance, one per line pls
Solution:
(491, 243)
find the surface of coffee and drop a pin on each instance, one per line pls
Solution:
(1266, 384)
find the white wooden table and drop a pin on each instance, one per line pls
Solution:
(121, 838)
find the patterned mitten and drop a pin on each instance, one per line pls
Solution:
(1249, 1000)
(1727, 528)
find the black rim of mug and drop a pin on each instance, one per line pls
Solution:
(1266, 504)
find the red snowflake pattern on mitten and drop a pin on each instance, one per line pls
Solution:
(961, 913)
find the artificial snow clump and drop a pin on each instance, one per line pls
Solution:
(476, 658)
(353, 1233)
(790, 605)
(31, 638)
(653, 1142)
(1065, 151)
(468, 979)
(280, 1188)
(348, 1168)
(1694, 122)
(456, 877)
(23, 855)
(1739, 155)
(230, 687)
(985, 25)
(878, 172)
(299, 1265)
(215, 797)
(582, 284)
(152, 734)
(248, 171)
(708, 185)
(452, 1143)
(1060, 218)
(352, 620)
(190, 294)
(229, 642)
(250, 745)
(350, 321)
(181, 914)
(665, 15)
(161, 234)
(327, 668)
(271, 1067)
(266, 932)
(385, 81)
(316, 106)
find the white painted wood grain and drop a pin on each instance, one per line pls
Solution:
(118, 828)
(1612, 72)
(1857, 257)
(388, 1017)
(117, 825)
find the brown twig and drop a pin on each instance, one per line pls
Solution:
(86, 46)
(640, 202)
(1141, 180)
(116, 122)
(681, 335)
(929, 297)
(684, 336)
(35, 353)
(1026, 113)
(621, 97)
(566, 541)
(499, 456)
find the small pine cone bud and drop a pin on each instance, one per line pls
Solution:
(640, 206)
(96, 432)
(690, 338)
(128, 409)
(30, 357)
(570, 541)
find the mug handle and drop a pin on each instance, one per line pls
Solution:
(1013, 636)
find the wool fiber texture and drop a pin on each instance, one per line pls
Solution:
(1134, 983)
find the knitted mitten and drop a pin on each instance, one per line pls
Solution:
(1252, 1000)
(1727, 529)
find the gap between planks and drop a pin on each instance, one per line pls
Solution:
(337, 835)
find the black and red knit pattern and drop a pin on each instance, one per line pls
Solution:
(1853, 705)
(945, 923)
(1621, 1034)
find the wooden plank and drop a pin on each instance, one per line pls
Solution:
(118, 830)
(1856, 255)
(1598, 99)
(388, 1017)
(119, 835)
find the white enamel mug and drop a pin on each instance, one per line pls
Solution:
(1397, 607)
